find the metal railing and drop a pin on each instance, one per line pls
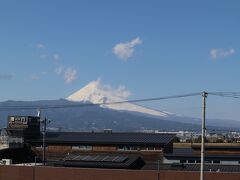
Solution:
(11, 140)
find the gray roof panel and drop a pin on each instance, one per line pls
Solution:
(108, 138)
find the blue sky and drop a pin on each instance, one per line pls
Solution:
(50, 49)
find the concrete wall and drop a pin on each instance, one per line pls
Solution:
(56, 173)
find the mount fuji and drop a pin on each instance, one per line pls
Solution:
(97, 93)
(107, 115)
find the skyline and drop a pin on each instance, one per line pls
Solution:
(51, 49)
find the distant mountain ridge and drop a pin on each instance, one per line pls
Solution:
(91, 118)
(119, 117)
(95, 92)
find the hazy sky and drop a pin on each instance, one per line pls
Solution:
(51, 48)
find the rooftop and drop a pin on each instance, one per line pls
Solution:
(107, 138)
(77, 159)
(188, 153)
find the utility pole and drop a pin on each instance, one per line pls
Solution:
(44, 121)
(204, 96)
(44, 141)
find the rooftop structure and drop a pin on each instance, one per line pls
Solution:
(111, 142)
(101, 161)
(214, 154)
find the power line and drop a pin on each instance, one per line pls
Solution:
(96, 104)
(77, 105)
(226, 94)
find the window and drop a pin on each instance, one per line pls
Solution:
(123, 148)
(85, 148)
(183, 161)
(191, 161)
(208, 161)
(75, 147)
(134, 148)
(151, 148)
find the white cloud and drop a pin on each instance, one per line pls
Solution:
(40, 46)
(38, 76)
(59, 70)
(125, 50)
(120, 92)
(221, 53)
(56, 57)
(34, 77)
(43, 73)
(43, 56)
(70, 75)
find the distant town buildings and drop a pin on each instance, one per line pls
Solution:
(22, 144)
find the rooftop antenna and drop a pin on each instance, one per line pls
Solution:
(44, 122)
(38, 113)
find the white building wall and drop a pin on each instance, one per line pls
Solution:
(229, 162)
(167, 161)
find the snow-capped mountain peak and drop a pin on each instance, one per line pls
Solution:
(96, 92)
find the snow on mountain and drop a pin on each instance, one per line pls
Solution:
(95, 92)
